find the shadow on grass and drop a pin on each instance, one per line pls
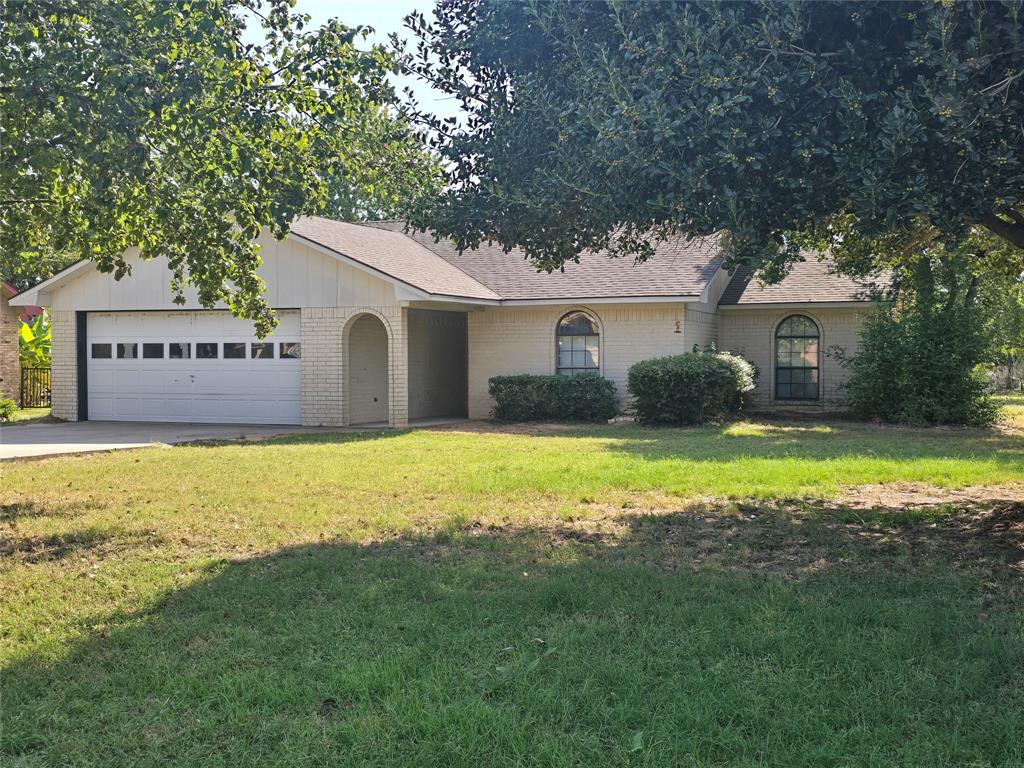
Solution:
(736, 637)
(93, 542)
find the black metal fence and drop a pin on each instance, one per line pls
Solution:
(35, 387)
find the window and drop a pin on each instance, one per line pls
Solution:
(576, 345)
(261, 351)
(796, 359)
(291, 350)
(101, 351)
(178, 351)
(206, 350)
(152, 351)
(234, 350)
(127, 350)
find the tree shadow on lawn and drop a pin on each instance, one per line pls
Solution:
(733, 637)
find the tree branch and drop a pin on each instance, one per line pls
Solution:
(1009, 231)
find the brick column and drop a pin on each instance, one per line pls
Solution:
(322, 400)
(398, 397)
(64, 365)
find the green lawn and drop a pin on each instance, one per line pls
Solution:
(565, 597)
(30, 414)
(1012, 406)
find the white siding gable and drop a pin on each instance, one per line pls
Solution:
(296, 276)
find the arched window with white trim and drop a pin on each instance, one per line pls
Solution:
(577, 345)
(796, 359)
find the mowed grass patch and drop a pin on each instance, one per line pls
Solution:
(515, 597)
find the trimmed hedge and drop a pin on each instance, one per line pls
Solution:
(690, 388)
(526, 397)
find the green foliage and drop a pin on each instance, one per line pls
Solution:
(920, 363)
(34, 343)
(691, 388)
(527, 397)
(7, 408)
(156, 125)
(610, 124)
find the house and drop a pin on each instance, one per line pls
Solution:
(380, 326)
(10, 323)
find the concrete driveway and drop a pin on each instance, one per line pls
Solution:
(20, 441)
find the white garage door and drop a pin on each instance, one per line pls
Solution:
(192, 367)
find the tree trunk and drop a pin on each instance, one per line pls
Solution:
(1010, 231)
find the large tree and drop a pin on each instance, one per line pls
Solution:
(608, 124)
(156, 124)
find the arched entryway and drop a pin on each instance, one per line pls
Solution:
(367, 379)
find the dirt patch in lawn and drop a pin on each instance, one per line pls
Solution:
(909, 495)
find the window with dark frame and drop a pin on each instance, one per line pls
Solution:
(234, 350)
(291, 350)
(152, 350)
(180, 350)
(101, 351)
(261, 351)
(577, 345)
(206, 350)
(796, 359)
(127, 350)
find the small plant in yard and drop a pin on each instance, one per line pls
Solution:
(7, 409)
(527, 397)
(691, 388)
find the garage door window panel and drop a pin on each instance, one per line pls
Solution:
(179, 351)
(206, 350)
(127, 350)
(291, 350)
(262, 351)
(234, 350)
(101, 352)
(152, 351)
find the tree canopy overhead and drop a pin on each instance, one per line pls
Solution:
(153, 123)
(607, 124)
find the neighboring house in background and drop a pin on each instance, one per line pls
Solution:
(10, 370)
(381, 326)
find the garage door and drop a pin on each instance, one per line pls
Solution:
(192, 367)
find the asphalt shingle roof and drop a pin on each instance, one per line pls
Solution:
(393, 254)
(679, 267)
(813, 280)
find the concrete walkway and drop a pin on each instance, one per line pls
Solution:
(21, 441)
(27, 440)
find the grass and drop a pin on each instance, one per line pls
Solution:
(28, 415)
(1012, 408)
(598, 596)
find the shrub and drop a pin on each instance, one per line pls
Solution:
(7, 408)
(921, 367)
(526, 397)
(690, 388)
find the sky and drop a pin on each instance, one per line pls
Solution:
(385, 16)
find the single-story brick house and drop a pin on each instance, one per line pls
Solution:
(377, 325)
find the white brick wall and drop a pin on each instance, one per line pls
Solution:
(64, 365)
(509, 340)
(324, 331)
(751, 333)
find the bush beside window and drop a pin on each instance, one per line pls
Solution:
(691, 388)
(921, 366)
(528, 397)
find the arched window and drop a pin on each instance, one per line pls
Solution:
(796, 359)
(576, 344)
